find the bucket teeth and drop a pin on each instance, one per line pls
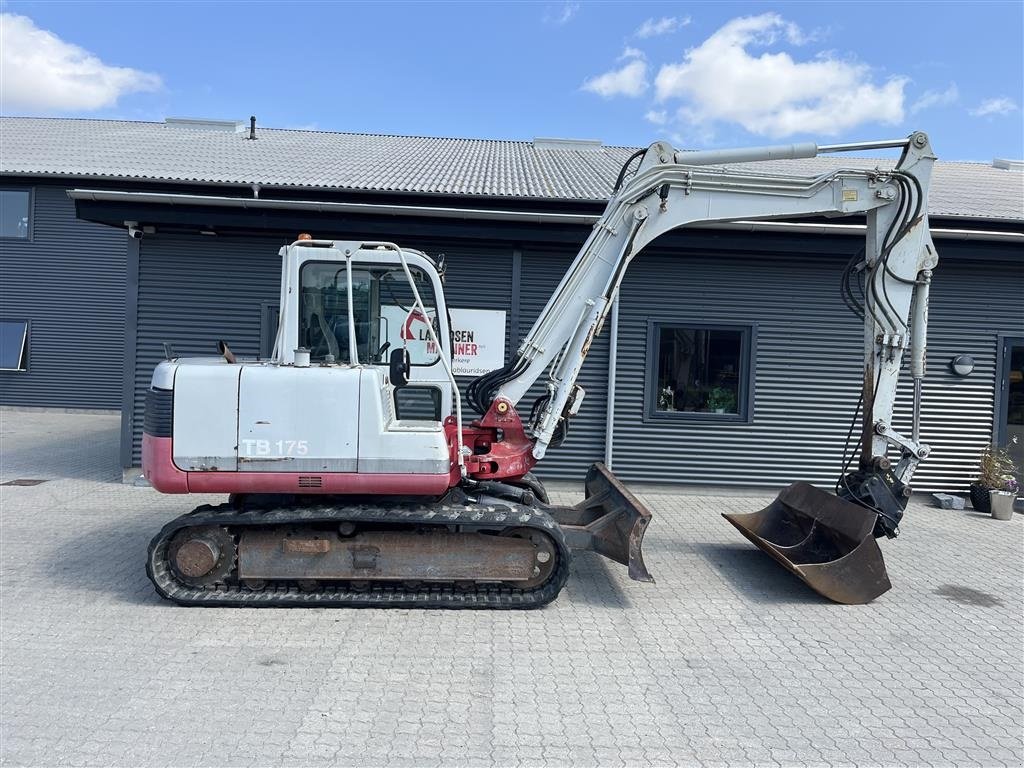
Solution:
(823, 540)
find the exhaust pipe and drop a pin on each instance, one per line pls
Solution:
(225, 350)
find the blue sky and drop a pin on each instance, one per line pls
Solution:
(700, 74)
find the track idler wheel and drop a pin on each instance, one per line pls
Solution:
(546, 555)
(202, 556)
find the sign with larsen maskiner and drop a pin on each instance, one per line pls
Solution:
(478, 337)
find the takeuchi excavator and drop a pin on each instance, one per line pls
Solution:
(353, 479)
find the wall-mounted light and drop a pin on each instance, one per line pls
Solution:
(962, 365)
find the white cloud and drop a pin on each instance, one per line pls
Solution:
(41, 72)
(560, 14)
(772, 94)
(663, 26)
(656, 116)
(1002, 105)
(936, 99)
(628, 80)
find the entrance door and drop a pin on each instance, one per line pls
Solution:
(1010, 420)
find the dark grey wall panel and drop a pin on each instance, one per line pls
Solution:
(542, 271)
(808, 360)
(194, 290)
(68, 281)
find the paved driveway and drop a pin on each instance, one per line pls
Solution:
(726, 660)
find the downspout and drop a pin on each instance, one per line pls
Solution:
(613, 354)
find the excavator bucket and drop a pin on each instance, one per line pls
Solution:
(822, 539)
(610, 521)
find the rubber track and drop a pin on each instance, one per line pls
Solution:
(380, 594)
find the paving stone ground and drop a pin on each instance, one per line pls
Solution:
(726, 660)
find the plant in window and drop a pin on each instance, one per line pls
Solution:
(666, 399)
(721, 400)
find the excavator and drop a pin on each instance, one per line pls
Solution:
(354, 480)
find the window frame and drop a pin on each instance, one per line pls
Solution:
(748, 352)
(26, 347)
(31, 215)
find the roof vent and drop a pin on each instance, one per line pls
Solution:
(200, 124)
(578, 145)
(1008, 165)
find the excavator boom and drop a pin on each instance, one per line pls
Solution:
(825, 540)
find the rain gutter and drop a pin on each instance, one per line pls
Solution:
(487, 214)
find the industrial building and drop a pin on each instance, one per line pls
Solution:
(729, 360)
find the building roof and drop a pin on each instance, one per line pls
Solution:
(206, 153)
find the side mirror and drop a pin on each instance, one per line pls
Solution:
(400, 365)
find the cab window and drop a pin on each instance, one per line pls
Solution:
(383, 309)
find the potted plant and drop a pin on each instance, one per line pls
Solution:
(995, 469)
(721, 400)
(1001, 499)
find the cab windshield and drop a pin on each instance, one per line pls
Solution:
(382, 305)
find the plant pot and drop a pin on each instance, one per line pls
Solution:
(1002, 504)
(979, 498)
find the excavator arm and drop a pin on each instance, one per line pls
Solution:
(886, 286)
(672, 189)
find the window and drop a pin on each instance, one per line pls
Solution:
(382, 304)
(418, 403)
(13, 345)
(700, 372)
(15, 207)
(270, 317)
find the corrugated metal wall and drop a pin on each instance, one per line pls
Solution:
(194, 290)
(68, 281)
(542, 270)
(807, 351)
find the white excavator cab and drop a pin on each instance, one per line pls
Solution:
(325, 413)
(356, 304)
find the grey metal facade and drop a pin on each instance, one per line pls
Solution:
(805, 346)
(807, 362)
(68, 281)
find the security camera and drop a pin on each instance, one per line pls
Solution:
(134, 230)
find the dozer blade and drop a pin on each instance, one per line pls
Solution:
(610, 521)
(823, 539)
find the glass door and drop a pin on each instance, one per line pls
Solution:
(1010, 420)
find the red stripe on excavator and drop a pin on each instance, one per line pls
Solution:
(159, 469)
(158, 466)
